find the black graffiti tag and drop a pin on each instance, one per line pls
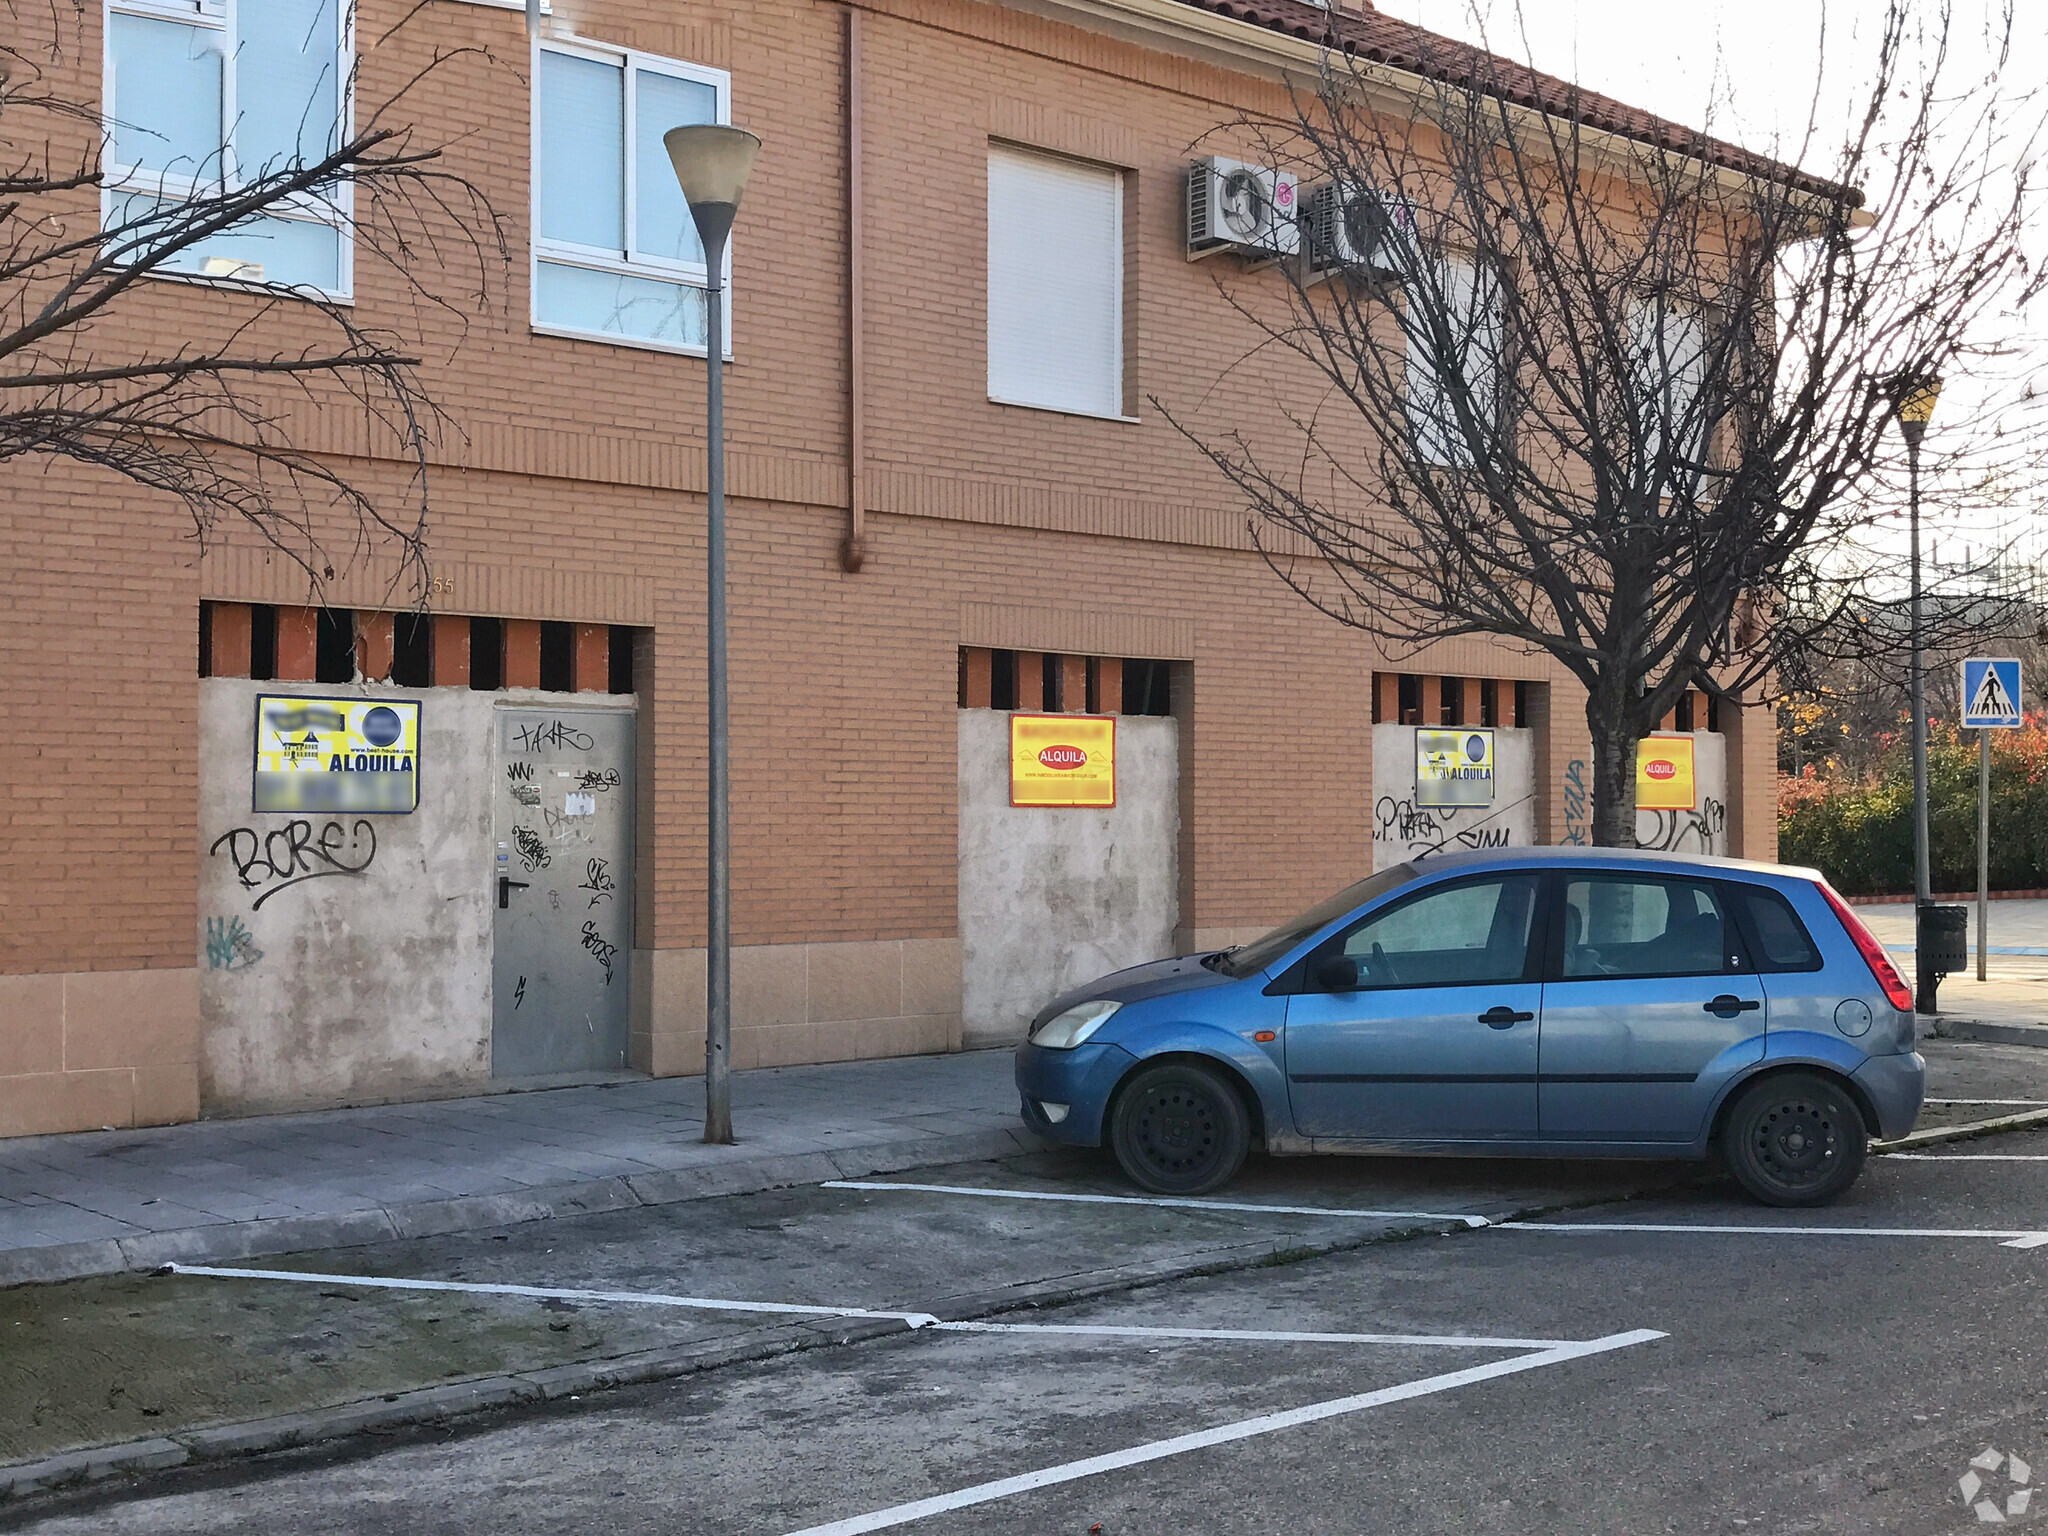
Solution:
(600, 951)
(533, 853)
(555, 734)
(519, 772)
(293, 854)
(598, 779)
(598, 881)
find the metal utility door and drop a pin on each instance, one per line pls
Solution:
(562, 830)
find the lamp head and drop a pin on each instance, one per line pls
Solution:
(1913, 403)
(711, 163)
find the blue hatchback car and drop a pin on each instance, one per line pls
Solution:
(1551, 1001)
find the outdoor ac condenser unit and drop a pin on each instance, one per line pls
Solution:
(1234, 206)
(1358, 231)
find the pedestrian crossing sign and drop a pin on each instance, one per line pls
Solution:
(1991, 693)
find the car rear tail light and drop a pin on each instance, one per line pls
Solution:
(1874, 955)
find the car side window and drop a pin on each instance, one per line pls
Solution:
(1646, 925)
(1783, 944)
(1460, 935)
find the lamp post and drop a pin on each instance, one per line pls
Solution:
(1914, 405)
(711, 163)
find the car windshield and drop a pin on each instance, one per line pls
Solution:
(1247, 959)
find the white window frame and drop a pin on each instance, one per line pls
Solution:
(336, 209)
(626, 263)
(1449, 452)
(996, 146)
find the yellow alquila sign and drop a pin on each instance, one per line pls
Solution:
(337, 754)
(1664, 774)
(1063, 760)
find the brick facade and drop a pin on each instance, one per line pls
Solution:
(568, 486)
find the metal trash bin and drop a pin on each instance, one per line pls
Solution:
(1941, 947)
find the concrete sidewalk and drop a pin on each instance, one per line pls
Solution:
(105, 1201)
(2011, 1004)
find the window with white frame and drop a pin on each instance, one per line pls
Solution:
(1669, 341)
(615, 254)
(1055, 283)
(206, 96)
(1469, 353)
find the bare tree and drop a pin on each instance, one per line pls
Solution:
(1612, 392)
(90, 372)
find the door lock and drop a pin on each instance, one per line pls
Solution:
(506, 886)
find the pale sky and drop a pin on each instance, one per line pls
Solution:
(1752, 65)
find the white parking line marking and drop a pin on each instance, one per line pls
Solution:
(1256, 1335)
(2004, 1239)
(543, 1292)
(1222, 1434)
(1190, 1205)
(1969, 1157)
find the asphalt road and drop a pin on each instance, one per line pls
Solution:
(1747, 1381)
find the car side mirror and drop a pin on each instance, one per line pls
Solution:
(1337, 973)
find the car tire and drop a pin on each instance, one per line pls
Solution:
(1796, 1138)
(1179, 1129)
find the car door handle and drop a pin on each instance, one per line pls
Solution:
(1727, 1005)
(506, 886)
(1504, 1018)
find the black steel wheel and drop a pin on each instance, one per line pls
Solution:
(1794, 1139)
(1179, 1129)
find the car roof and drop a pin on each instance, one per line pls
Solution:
(1582, 857)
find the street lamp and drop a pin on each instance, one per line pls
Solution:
(1914, 405)
(711, 163)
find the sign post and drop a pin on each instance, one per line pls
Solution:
(1991, 702)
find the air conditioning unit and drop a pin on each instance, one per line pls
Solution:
(1234, 206)
(1359, 231)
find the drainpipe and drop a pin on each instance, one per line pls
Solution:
(853, 551)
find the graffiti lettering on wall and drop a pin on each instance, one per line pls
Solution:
(1439, 827)
(1673, 829)
(533, 853)
(598, 779)
(1575, 803)
(553, 735)
(519, 993)
(598, 881)
(519, 772)
(294, 854)
(230, 946)
(600, 951)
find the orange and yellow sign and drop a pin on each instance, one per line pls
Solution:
(1664, 776)
(1064, 760)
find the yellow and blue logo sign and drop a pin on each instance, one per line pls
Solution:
(359, 755)
(1454, 767)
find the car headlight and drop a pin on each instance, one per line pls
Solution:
(1064, 1031)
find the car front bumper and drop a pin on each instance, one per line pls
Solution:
(1895, 1086)
(1082, 1079)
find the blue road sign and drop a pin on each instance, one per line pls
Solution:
(1991, 693)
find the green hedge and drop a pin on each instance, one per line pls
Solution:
(1861, 835)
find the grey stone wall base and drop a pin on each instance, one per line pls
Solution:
(227, 1241)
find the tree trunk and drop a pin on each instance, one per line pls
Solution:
(1614, 778)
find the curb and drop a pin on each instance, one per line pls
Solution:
(438, 1404)
(227, 1241)
(1990, 1032)
(1968, 1131)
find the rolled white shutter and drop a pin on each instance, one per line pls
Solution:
(1055, 283)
